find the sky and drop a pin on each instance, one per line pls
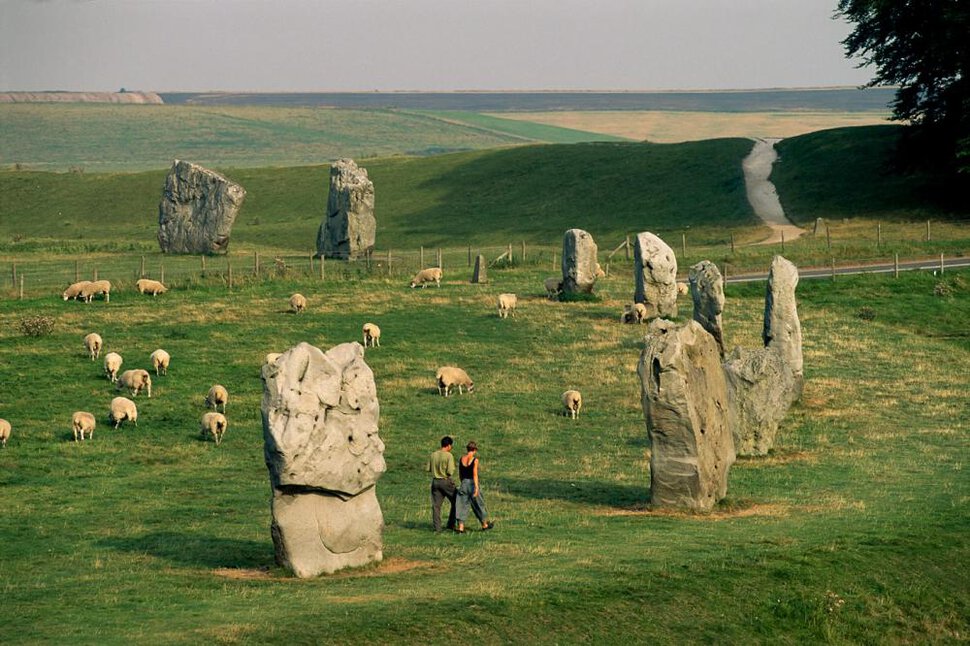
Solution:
(426, 45)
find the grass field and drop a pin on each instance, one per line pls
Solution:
(520, 126)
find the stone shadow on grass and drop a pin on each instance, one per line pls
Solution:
(196, 549)
(579, 491)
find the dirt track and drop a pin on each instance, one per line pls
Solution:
(762, 194)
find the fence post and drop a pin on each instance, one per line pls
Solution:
(13, 274)
(255, 263)
(510, 254)
(321, 269)
(878, 234)
(833, 267)
(828, 237)
(21, 287)
(783, 242)
(229, 269)
(95, 273)
(439, 258)
(895, 265)
(141, 271)
(732, 243)
(161, 270)
(554, 254)
(203, 265)
(523, 252)
(941, 265)
(683, 244)
(927, 230)
(77, 271)
(626, 251)
(422, 257)
(469, 256)
(388, 262)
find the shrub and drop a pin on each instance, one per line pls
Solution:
(36, 325)
(866, 313)
(942, 289)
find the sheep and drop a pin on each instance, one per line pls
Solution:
(74, 290)
(4, 433)
(372, 335)
(217, 395)
(506, 305)
(83, 422)
(553, 287)
(425, 276)
(135, 381)
(103, 288)
(272, 357)
(160, 360)
(112, 364)
(122, 409)
(148, 286)
(599, 271)
(635, 313)
(214, 424)
(93, 344)
(297, 303)
(572, 400)
(88, 292)
(683, 289)
(449, 376)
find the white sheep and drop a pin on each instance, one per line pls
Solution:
(506, 305)
(74, 289)
(449, 376)
(425, 276)
(93, 344)
(297, 303)
(102, 288)
(553, 286)
(82, 422)
(217, 395)
(122, 409)
(572, 401)
(148, 286)
(135, 381)
(4, 432)
(683, 289)
(634, 313)
(214, 424)
(112, 364)
(160, 360)
(372, 335)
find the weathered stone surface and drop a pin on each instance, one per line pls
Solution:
(197, 210)
(655, 274)
(578, 261)
(480, 274)
(320, 414)
(707, 291)
(684, 397)
(349, 229)
(782, 331)
(760, 388)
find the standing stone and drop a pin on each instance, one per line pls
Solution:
(349, 230)
(655, 274)
(760, 391)
(197, 210)
(480, 274)
(782, 330)
(578, 262)
(324, 456)
(707, 291)
(685, 404)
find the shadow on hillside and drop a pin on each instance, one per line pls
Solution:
(196, 550)
(591, 492)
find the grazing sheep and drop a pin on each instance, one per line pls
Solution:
(148, 286)
(272, 357)
(4, 432)
(372, 335)
(553, 287)
(572, 400)
(297, 303)
(93, 344)
(160, 360)
(425, 276)
(635, 313)
(112, 364)
(74, 290)
(506, 305)
(135, 380)
(214, 424)
(82, 422)
(102, 288)
(217, 395)
(122, 409)
(683, 289)
(449, 376)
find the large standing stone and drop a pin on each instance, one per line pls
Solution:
(578, 261)
(707, 291)
(760, 390)
(655, 274)
(324, 456)
(197, 210)
(685, 404)
(480, 274)
(349, 229)
(782, 331)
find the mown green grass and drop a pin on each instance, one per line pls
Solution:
(852, 530)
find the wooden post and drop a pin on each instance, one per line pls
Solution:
(95, 273)
(203, 265)
(927, 230)
(828, 237)
(783, 242)
(554, 254)
(896, 265)
(322, 275)
(627, 249)
(683, 244)
(523, 252)
(469, 256)
(607, 272)
(422, 257)
(77, 271)
(439, 258)
(732, 243)
(833, 267)
(21, 287)
(161, 271)
(141, 271)
(229, 269)
(942, 266)
(255, 263)
(878, 234)
(388, 262)
(510, 253)
(13, 275)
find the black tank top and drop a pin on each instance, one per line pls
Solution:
(466, 473)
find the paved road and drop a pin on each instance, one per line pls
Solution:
(950, 263)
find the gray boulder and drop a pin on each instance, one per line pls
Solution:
(760, 390)
(320, 414)
(684, 397)
(349, 229)
(707, 291)
(655, 275)
(197, 210)
(782, 330)
(578, 262)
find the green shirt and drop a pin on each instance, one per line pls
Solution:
(441, 464)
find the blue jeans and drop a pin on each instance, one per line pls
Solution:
(466, 499)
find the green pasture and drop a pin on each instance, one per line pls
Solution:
(528, 130)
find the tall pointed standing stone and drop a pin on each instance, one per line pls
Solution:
(655, 274)
(579, 262)
(480, 274)
(349, 229)
(782, 330)
(707, 291)
(197, 210)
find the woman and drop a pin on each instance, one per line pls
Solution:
(469, 494)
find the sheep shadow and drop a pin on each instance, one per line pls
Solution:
(196, 550)
(590, 492)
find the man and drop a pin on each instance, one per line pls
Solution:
(442, 468)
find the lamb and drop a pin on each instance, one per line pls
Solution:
(553, 287)
(112, 364)
(572, 400)
(214, 424)
(372, 335)
(217, 395)
(297, 303)
(449, 376)
(683, 289)
(506, 305)
(4, 433)
(635, 313)
(160, 360)
(135, 381)
(83, 422)
(74, 290)
(148, 286)
(93, 344)
(122, 409)
(431, 274)
(102, 288)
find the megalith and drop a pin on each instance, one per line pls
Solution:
(655, 275)
(707, 292)
(197, 210)
(349, 228)
(684, 398)
(324, 455)
(782, 330)
(579, 262)
(480, 273)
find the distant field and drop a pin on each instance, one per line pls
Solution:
(518, 126)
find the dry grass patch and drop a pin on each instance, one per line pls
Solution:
(775, 510)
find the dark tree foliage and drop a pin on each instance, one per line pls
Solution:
(923, 46)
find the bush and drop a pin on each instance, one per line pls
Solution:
(942, 289)
(36, 325)
(866, 313)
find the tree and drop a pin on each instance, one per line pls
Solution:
(923, 46)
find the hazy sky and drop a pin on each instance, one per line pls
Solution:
(317, 45)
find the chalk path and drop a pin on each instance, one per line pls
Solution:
(762, 194)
